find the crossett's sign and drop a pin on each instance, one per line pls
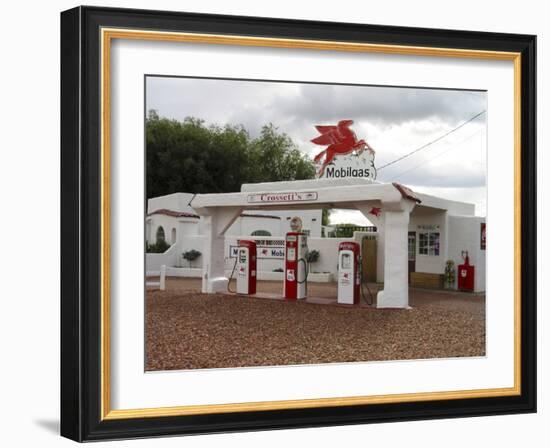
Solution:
(344, 155)
(296, 196)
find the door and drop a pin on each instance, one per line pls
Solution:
(369, 259)
(412, 253)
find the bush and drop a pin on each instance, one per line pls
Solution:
(191, 255)
(312, 256)
(157, 248)
(449, 273)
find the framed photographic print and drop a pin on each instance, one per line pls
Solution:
(272, 223)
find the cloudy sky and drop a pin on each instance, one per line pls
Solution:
(393, 120)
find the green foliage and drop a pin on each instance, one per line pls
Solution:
(347, 230)
(190, 156)
(343, 231)
(191, 255)
(312, 256)
(159, 247)
(325, 217)
(449, 275)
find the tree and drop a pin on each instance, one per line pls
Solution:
(190, 156)
(325, 218)
(312, 256)
(275, 157)
(191, 255)
(344, 230)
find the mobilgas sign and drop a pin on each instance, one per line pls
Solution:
(351, 165)
(333, 172)
(262, 252)
(298, 196)
(344, 155)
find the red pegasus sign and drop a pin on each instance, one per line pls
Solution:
(340, 139)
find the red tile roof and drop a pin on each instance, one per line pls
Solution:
(257, 215)
(165, 211)
(174, 214)
(406, 192)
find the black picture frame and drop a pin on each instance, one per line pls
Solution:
(81, 209)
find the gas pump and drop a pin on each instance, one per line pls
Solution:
(466, 274)
(349, 273)
(296, 267)
(246, 267)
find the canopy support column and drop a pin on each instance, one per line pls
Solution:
(396, 283)
(393, 226)
(215, 223)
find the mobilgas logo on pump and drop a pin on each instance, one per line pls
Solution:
(344, 155)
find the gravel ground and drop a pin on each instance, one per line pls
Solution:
(189, 330)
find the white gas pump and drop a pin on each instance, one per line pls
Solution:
(246, 267)
(349, 273)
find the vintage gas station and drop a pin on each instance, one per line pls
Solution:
(219, 211)
(416, 233)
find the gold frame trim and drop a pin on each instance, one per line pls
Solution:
(107, 35)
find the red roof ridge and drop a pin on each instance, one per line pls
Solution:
(406, 192)
(258, 215)
(173, 213)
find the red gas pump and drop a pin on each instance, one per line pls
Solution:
(349, 273)
(296, 269)
(466, 274)
(246, 267)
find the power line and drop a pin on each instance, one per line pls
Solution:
(441, 137)
(435, 157)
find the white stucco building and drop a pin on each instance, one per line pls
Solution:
(175, 216)
(416, 233)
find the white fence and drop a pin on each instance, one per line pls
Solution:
(270, 256)
(162, 280)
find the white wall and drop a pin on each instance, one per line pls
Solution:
(153, 262)
(327, 247)
(456, 234)
(466, 232)
(153, 223)
(246, 225)
(452, 207)
(429, 217)
(178, 202)
(184, 227)
(277, 222)
(311, 220)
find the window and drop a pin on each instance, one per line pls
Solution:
(173, 236)
(260, 233)
(428, 243)
(161, 238)
(148, 230)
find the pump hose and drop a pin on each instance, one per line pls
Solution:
(303, 260)
(371, 302)
(231, 276)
